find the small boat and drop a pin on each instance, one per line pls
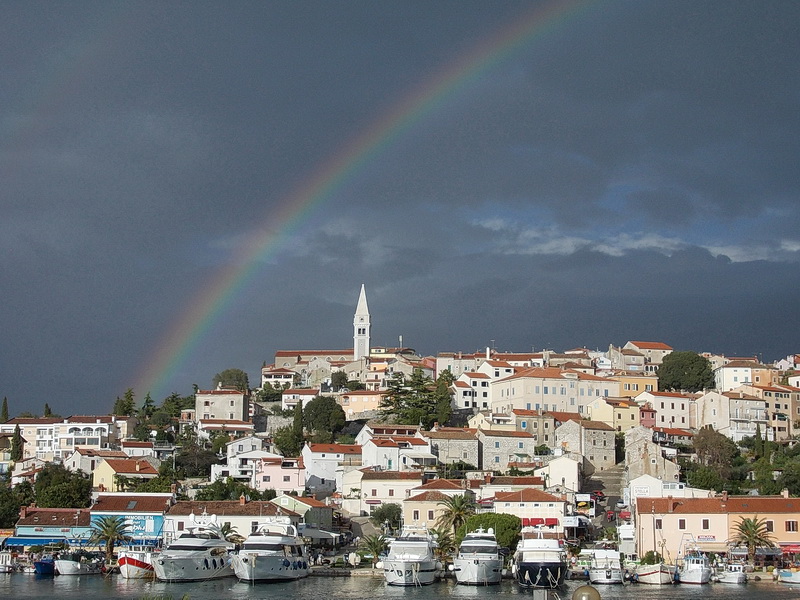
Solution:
(660, 573)
(274, 552)
(411, 560)
(136, 562)
(199, 554)
(694, 567)
(539, 562)
(80, 562)
(730, 573)
(45, 565)
(606, 566)
(788, 575)
(6, 562)
(479, 560)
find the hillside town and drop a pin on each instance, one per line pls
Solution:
(575, 443)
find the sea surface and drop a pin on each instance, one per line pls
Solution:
(99, 587)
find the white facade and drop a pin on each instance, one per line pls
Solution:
(735, 415)
(672, 409)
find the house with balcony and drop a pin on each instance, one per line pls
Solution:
(282, 474)
(781, 403)
(114, 474)
(534, 508)
(735, 414)
(653, 352)
(91, 431)
(399, 452)
(241, 466)
(222, 403)
(41, 436)
(365, 489)
(87, 459)
(277, 377)
(326, 463)
(712, 522)
(233, 428)
(5, 452)
(293, 396)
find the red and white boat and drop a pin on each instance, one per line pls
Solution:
(136, 562)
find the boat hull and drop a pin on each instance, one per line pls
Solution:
(658, 574)
(192, 568)
(788, 576)
(478, 571)
(605, 576)
(44, 567)
(74, 567)
(731, 577)
(540, 575)
(136, 565)
(697, 576)
(251, 566)
(410, 572)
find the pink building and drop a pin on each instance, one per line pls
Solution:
(284, 475)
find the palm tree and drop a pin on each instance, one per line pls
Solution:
(229, 533)
(374, 545)
(456, 510)
(445, 543)
(109, 530)
(753, 534)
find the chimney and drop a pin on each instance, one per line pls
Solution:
(138, 466)
(23, 512)
(724, 495)
(785, 492)
(242, 500)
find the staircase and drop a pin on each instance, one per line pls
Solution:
(610, 482)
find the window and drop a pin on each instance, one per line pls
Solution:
(770, 526)
(791, 525)
(658, 524)
(265, 478)
(391, 492)
(374, 492)
(415, 515)
(681, 523)
(497, 444)
(430, 515)
(180, 525)
(497, 459)
(520, 445)
(287, 478)
(706, 524)
(524, 424)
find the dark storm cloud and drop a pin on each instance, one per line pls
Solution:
(628, 173)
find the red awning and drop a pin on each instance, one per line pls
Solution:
(372, 501)
(537, 521)
(551, 521)
(791, 549)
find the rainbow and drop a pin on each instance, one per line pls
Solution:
(181, 339)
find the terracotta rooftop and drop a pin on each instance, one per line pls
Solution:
(132, 503)
(256, 508)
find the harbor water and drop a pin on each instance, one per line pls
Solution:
(97, 587)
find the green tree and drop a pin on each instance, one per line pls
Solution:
(11, 500)
(148, 407)
(789, 479)
(232, 378)
(387, 514)
(411, 401)
(752, 533)
(455, 512)
(374, 545)
(125, 406)
(57, 487)
(445, 543)
(685, 371)
(706, 478)
(715, 450)
(4, 411)
(174, 404)
(338, 380)
(227, 488)
(47, 412)
(17, 445)
(269, 393)
(195, 461)
(506, 527)
(108, 530)
(286, 441)
(324, 418)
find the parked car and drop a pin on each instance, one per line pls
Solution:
(598, 496)
(621, 504)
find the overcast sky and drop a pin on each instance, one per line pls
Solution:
(622, 171)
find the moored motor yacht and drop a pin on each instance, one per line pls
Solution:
(694, 567)
(80, 562)
(606, 566)
(479, 560)
(539, 562)
(198, 554)
(411, 560)
(275, 551)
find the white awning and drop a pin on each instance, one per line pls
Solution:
(416, 455)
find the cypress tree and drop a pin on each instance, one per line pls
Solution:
(16, 445)
(4, 411)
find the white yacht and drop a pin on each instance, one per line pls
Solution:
(539, 562)
(411, 560)
(479, 561)
(136, 562)
(606, 566)
(274, 552)
(198, 554)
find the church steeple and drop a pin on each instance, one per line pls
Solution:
(361, 327)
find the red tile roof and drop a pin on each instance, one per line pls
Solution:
(132, 503)
(526, 495)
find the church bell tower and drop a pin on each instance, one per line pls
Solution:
(361, 327)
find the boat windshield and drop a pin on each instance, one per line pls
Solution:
(478, 549)
(264, 546)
